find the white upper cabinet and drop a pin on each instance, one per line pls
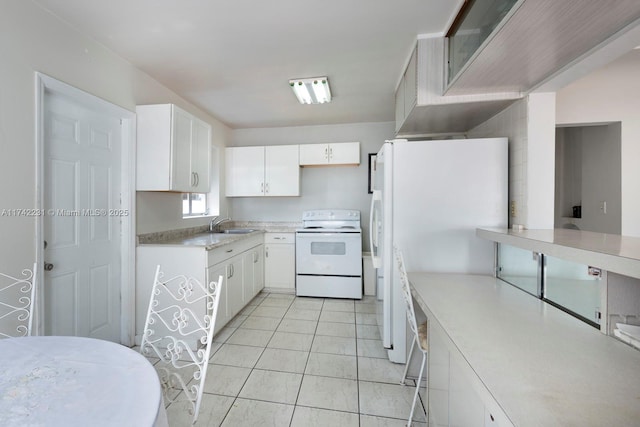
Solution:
(173, 150)
(262, 171)
(244, 171)
(344, 153)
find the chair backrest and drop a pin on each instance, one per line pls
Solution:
(179, 331)
(17, 302)
(406, 290)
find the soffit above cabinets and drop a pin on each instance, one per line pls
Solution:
(447, 119)
(537, 39)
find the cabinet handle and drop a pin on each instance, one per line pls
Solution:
(197, 179)
(266, 188)
(255, 257)
(262, 187)
(326, 153)
(266, 252)
(330, 153)
(278, 238)
(193, 178)
(229, 250)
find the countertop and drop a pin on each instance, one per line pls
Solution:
(201, 237)
(206, 240)
(611, 252)
(542, 366)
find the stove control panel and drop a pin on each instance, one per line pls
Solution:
(332, 215)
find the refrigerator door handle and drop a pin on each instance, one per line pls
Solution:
(373, 230)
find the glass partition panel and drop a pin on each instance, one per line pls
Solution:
(569, 285)
(471, 29)
(518, 267)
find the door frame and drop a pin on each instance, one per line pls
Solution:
(127, 196)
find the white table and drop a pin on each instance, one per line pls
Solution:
(71, 381)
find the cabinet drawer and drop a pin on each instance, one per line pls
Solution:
(218, 255)
(279, 238)
(225, 252)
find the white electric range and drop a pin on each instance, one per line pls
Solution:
(329, 254)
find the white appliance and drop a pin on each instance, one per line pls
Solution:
(329, 254)
(429, 197)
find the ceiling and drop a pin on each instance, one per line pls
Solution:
(234, 58)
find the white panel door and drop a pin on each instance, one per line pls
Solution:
(282, 171)
(82, 228)
(245, 171)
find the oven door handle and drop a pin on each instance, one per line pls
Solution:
(315, 235)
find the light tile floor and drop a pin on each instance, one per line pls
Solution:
(291, 361)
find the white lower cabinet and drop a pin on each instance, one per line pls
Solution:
(227, 261)
(252, 273)
(213, 273)
(280, 261)
(455, 396)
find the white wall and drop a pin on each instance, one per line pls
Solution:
(612, 94)
(31, 40)
(331, 187)
(530, 126)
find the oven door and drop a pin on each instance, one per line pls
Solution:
(329, 254)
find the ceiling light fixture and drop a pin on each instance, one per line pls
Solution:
(314, 90)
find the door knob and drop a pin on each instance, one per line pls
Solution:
(48, 266)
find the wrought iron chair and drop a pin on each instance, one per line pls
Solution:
(419, 331)
(179, 331)
(17, 302)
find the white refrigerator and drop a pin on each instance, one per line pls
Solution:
(429, 197)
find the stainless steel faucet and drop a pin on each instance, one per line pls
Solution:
(214, 224)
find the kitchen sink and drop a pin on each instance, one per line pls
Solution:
(239, 231)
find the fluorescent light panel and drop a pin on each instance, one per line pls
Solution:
(314, 90)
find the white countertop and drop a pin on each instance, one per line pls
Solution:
(542, 366)
(611, 252)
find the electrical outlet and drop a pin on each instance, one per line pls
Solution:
(514, 211)
(603, 207)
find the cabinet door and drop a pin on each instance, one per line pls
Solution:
(248, 276)
(282, 171)
(234, 286)
(200, 157)
(411, 84)
(400, 105)
(258, 270)
(279, 267)
(466, 407)
(345, 153)
(245, 171)
(314, 154)
(181, 178)
(213, 273)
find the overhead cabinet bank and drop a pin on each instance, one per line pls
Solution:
(173, 150)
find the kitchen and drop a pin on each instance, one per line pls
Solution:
(88, 65)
